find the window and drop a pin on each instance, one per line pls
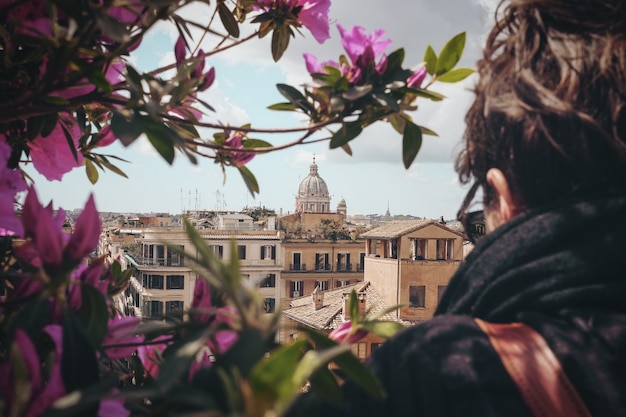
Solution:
(154, 254)
(343, 262)
(241, 251)
(359, 350)
(297, 262)
(321, 262)
(269, 281)
(296, 289)
(361, 266)
(440, 290)
(444, 249)
(418, 248)
(218, 250)
(154, 309)
(268, 252)
(175, 282)
(417, 296)
(175, 258)
(322, 285)
(154, 282)
(174, 308)
(269, 305)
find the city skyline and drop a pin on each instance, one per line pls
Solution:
(371, 181)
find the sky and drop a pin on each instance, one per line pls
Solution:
(371, 181)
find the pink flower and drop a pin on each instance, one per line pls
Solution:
(149, 355)
(121, 331)
(43, 393)
(361, 47)
(106, 136)
(343, 333)
(313, 14)
(314, 66)
(52, 156)
(48, 246)
(238, 158)
(11, 182)
(417, 78)
(179, 50)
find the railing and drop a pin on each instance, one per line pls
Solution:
(323, 267)
(344, 267)
(297, 267)
(360, 267)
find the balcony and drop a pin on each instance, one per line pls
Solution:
(323, 267)
(297, 267)
(344, 267)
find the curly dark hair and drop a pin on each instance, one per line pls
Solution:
(550, 101)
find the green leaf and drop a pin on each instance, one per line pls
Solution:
(394, 60)
(455, 75)
(324, 383)
(160, 137)
(79, 366)
(429, 94)
(49, 125)
(93, 313)
(347, 132)
(251, 143)
(280, 41)
(354, 307)
(384, 329)
(356, 92)
(294, 96)
(411, 143)
(386, 100)
(274, 376)
(34, 126)
(430, 58)
(54, 100)
(350, 364)
(126, 130)
(450, 54)
(427, 131)
(99, 80)
(105, 161)
(228, 20)
(91, 170)
(282, 106)
(249, 179)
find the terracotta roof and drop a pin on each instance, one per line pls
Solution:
(328, 317)
(397, 228)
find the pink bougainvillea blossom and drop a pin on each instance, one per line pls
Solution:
(47, 245)
(150, 354)
(43, 391)
(11, 182)
(362, 49)
(52, 156)
(344, 334)
(416, 79)
(313, 14)
(121, 331)
(238, 158)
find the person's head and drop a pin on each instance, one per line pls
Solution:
(549, 116)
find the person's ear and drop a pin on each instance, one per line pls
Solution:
(506, 202)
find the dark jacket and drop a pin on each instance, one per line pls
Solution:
(561, 270)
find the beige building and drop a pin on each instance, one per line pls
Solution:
(410, 262)
(318, 251)
(164, 281)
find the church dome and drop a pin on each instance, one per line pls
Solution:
(313, 185)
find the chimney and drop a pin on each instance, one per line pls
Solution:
(318, 298)
(361, 301)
